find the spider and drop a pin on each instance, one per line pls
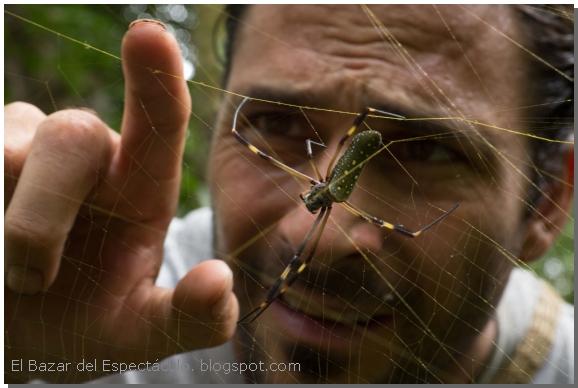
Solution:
(336, 187)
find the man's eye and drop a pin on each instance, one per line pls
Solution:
(426, 151)
(270, 124)
(281, 135)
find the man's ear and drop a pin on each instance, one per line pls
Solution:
(552, 213)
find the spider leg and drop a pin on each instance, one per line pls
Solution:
(397, 227)
(359, 119)
(308, 143)
(295, 267)
(262, 154)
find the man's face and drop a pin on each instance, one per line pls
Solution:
(375, 306)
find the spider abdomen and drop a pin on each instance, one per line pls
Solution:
(349, 166)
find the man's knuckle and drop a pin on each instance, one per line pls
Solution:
(74, 128)
(32, 233)
(170, 125)
(14, 158)
(22, 108)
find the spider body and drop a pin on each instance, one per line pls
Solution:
(318, 197)
(345, 174)
(348, 168)
(335, 187)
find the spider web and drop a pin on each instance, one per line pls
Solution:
(262, 342)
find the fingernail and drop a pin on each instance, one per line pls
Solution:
(24, 280)
(154, 21)
(218, 309)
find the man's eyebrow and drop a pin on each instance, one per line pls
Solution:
(418, 112)
(287, 97)
(314, 101)
(432, 122)
(418, 119)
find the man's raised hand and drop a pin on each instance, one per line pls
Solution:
(86, 214)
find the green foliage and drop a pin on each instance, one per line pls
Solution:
(54, 73)
(557, 266)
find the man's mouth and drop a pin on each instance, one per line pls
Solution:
(328, 310)
(325, 322)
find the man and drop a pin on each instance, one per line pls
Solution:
(87, 223)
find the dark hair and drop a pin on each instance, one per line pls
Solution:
(233, 15)
(550, 32)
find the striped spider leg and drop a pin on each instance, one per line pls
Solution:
(396, 227)
(341, 177)
(294, 269)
